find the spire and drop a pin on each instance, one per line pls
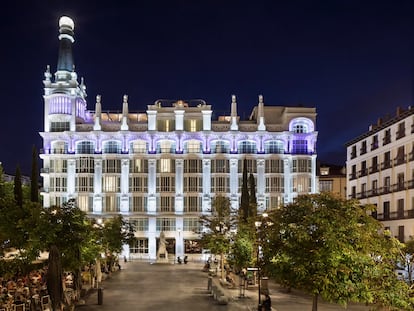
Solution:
(98, 109)
(124, 125)
(233, 126)
(65, 60)
(260, 112)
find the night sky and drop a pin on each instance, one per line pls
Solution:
(352, 60)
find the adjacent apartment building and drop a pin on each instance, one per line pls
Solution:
(162, 167)
(380, 170)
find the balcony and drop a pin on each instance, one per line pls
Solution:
(406, 214)
(386, 164)
(44, 170)
(363, 150)
(386, 140)
(398, 187)
(400, 133)
(385, 189)
(352, 176)
(361, 195)
(372, 193)
(353, 154)
(363, 172)
(374, 145)
(373, 169)
(400, 160)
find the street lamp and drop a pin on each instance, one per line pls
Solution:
(258, 224)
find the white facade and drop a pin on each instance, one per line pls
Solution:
(160, 168)
(380, 170)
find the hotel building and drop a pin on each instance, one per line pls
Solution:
(380, 170)
(161, 168)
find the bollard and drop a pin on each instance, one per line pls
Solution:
(100, 296)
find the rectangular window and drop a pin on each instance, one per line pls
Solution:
(274, 166)
(59, 126)
(374, 144)
(192, 204)
(111, 166)
(386, 207)
(192, 225)
(326, 185)
(111, 203)
(387, 137)
(251, 166)
(220, 166)
(165, 184)
(165, 224)
(400, 208)
(138, 166)
(138, 204)
(58, 166)
(85, 165)
(220, 184)
(301, 166)
(401, 234)
(166, 204)
(301, 184)
(139, 224)
(58, 184)
(193, 166)
(139, 246)
(111, 184)
(363, 149)
(401, 130)
(275, 184)
(85, 203)
(138, 184)
(193, 184)
(83, 184)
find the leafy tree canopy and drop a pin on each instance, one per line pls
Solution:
(331, 247)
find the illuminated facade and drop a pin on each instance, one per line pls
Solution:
(380, 170)
(160, 168)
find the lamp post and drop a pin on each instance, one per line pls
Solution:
(259, 304)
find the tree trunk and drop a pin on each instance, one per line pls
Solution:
(54, 278)
(315, 302)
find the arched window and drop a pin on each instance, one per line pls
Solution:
(59, 147)
(274, 146)
(166, 146)
(220, 146)
(138, 146)
(85, 147)
(192, 146)
(247, 147)
(112, 146)
(301, 125)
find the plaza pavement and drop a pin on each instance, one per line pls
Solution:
(145, 286)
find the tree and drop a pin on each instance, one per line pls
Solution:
(332, 248)
(17, 190)
(244, 200)
(252, 197)
(218, 228)
(34, 180)
(114, 233)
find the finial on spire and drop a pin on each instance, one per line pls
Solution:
(48, 75)
(124, 125)
(98, 110)
(233, 126)
(260, 114)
